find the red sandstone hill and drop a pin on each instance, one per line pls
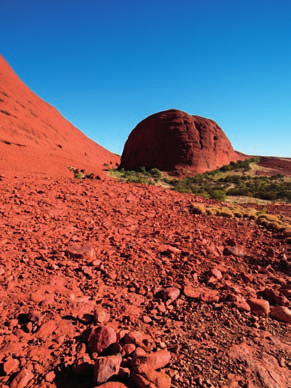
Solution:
(174, 140)
(36, 139)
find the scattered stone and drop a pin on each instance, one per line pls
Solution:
(22, 378)
(192, 292)
(152, 361)
(170, 294)
(259, 306)
(50, 376)
(210, 296)
(10, 365)
(140, 339)
(101, 316)
(276, 297)
(242, 305)
(106, 367)
(111, 384)
(281, 313)
(81, 252)
(129, 348)
(101, 338)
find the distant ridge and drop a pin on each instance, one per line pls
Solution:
(36, 139)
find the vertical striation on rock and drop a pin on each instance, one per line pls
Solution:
(173, 140)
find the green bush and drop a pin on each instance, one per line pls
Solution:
(218, 194)
(155, 173)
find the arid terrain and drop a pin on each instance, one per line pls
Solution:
(123, 285)
(70, 247)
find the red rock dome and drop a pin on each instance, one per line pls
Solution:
(173, 139)
(36, 139)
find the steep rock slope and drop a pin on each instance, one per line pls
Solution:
(36, 138)
(172, 140)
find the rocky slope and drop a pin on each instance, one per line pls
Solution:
(173, 140)
(103, 281)
(36, 139)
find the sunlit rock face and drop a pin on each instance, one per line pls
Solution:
(173, 140)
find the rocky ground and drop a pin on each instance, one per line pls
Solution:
(105, 281)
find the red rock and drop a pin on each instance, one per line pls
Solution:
(140, 339)
(106, 367)
(50, 376)
(192, 292)
(275, 296)
(34, 316)
(151, 379)
(129, 348)
(36, 139)
(170, 294)
(242, 305)
(81, 252)
(259, 306)
(173, 139)
(22, 378)
(216, 273)
(101, 315)
(235, 251)
(101, 338)
(10, 365)
(281, 313)
(152, 361)
(111, 384)
(210, 296)
(146, 319)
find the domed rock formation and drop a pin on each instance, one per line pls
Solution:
(174, 140)
(36, 139)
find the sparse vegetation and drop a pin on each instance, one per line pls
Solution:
(270, 221)
(142, 175)
(234, 179)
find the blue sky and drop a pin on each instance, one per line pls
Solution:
(108, 64)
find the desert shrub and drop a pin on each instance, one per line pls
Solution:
(211, 211)
(79, 175)
(138, 178)
(268, 217)
(250, 213)
(225, 212)
(198, 209)
(267, 195)
(142, 169)
(262, 212)
(237, 212)
(218, 194)
(155, 173)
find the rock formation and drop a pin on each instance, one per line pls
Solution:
(36, 139)
(173, 140)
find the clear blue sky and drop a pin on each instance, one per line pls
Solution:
(108, 64)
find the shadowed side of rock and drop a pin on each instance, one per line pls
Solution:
(173, 140)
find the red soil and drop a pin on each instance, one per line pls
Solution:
(36, 139)
(77, 255)
(276, 165)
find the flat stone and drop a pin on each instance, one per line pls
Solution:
(106, 367)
